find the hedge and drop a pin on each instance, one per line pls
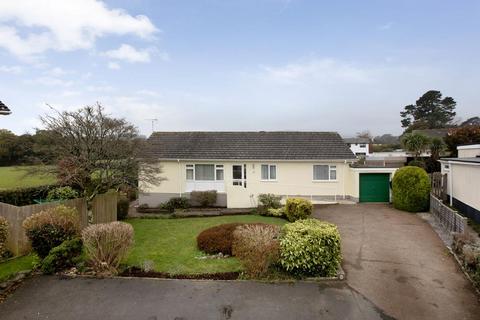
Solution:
(25, 196)
(411, 189)
(310, 247)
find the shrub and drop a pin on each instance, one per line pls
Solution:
(411, 189)
(218, 239)
(279, 212)
(298, 208)
(106, 244)
(203, 198)
(123, 204)
(25, 196)
(63, 256)
(49, 228)
(176, 203)
(62, 193)
(3, 236)
(257, 247)
(417, 163)
(269, 200)
(310, 247)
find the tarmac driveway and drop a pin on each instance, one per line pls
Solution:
(399, 263)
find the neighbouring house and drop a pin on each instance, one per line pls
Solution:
(4, 110)
(242, 165)
(359, 146)
(463, 180)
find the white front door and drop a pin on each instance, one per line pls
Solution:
(239, 175)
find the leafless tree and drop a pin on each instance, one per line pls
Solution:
(97, 152)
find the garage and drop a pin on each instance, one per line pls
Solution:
(374, 187)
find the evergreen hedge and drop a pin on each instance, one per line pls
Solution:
(411, 189)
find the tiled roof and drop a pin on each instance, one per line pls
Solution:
(273, 145)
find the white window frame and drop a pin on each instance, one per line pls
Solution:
(217, 167)
(331, 167)
(269, 165)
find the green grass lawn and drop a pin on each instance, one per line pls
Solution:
(171, 243)
(19, 177)
(9, 268)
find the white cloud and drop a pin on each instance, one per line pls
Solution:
(11, 69)
(113, 65)
(324, 70)
(57, 72)
(50, 81)
(128, 53)
(35, 26)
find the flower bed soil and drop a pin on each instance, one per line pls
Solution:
(137, 272)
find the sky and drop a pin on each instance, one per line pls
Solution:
(345, 66)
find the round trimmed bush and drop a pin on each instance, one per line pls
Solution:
(411, 189)
(310, 247)
(219, 239)
(62, 193)
(298, 208)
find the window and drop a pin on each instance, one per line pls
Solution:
(237, 175)
(204, 172)
(324, 172)
(363, 145)
(190, 172)
(269, 172)
(219, 172)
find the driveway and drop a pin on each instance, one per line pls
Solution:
(48, 297)
(398, 262)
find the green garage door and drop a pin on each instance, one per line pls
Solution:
(374, 187)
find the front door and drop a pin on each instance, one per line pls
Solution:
(239, 175)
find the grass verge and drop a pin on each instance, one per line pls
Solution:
(20, 177)
(9, 268)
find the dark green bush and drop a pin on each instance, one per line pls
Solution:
(177, 203)
(25, 196)
(123, 204)
(417, 163)
(411, 189)
(269, 200)
(62, 193)
(49, 228)
(64, 256)
(203, 198)
(310, 247)
(298, 208)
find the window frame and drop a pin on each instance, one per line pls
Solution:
(216, 167)
(269, 166)
(331, 167)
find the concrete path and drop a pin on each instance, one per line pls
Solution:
(399, 263)
(47, 297)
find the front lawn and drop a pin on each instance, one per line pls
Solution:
(9, 268)
(20, 177)
(171, 244)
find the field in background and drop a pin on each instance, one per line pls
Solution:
(20, 177)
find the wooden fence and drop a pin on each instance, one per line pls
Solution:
(104, 209)
(439, 185)
(450, 219)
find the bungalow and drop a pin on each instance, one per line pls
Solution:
(242, 165)
(463, 180)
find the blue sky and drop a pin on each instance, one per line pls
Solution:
(343, 66)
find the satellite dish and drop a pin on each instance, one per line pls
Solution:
(4, 110)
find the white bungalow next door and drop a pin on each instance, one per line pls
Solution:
(239, 175)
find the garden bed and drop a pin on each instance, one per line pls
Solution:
(138, 272)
